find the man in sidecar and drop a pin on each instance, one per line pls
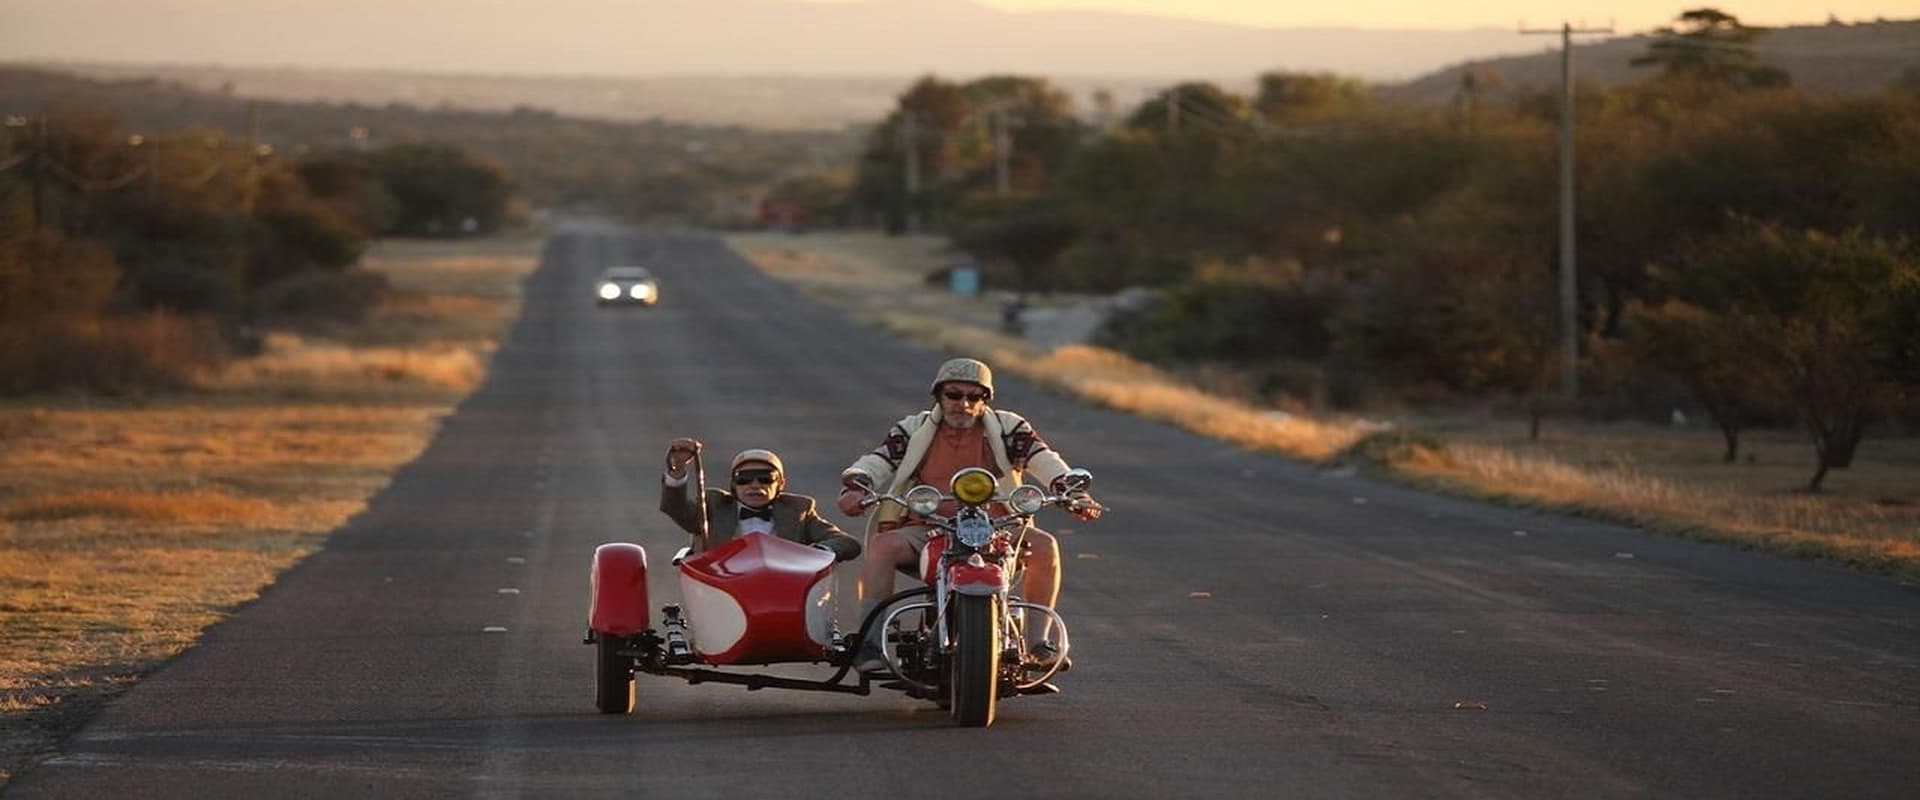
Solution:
(929, 447)
(755, 504)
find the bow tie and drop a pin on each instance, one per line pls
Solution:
(747, 513)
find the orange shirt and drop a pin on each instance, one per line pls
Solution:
(952, 450)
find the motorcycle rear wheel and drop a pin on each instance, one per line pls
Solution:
(975, 673)
(613, 688)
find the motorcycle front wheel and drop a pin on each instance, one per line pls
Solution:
(975, 672)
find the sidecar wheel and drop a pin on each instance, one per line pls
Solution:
(976, 659)
(612, 677)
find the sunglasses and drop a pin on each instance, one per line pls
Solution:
(970, 397)
(763, 477)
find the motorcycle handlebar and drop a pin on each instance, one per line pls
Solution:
(1074, 501)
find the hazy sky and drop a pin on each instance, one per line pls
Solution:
(872, 37)
(1628, 15)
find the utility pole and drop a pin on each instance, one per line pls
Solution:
(1569, 284)
(1003, 152)
(151, 149)
(910, 144)
(250, 178)
(39, 173)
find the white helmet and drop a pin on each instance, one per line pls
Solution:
(767, 457)
(967, 370)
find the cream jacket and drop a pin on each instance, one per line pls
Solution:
(1017, 450)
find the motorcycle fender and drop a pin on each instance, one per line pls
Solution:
(982, 580)
(619, 589)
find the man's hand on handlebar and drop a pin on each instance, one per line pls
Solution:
(1083, 507)
(855, 497)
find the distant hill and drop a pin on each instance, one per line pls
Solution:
(1827, 58)
(771, 103)
(1821, 58)
(636, 168)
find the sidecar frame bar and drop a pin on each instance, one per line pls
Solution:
(755, 683)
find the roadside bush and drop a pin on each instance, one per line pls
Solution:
(1241, 321)
(175, 280)
(345, 295)
(105, 354)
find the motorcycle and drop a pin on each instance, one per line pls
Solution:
(962, 640)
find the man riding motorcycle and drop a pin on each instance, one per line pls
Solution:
(928, 447)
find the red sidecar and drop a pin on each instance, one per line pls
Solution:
(757, 599)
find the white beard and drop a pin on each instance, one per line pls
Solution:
(962, 421)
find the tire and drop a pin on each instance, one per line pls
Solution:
(976, 659)
(612, 677)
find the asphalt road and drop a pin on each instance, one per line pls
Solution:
(1360, 640)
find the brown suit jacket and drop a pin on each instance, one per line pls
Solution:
(794, 519)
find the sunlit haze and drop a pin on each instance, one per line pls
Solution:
(1376, 39)
(1628, 15)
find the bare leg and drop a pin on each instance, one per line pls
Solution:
(885, 552)
(1040, 581)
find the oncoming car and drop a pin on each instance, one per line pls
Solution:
(625, 285)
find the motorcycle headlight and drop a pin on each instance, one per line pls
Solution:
(923, 500)
(1027, 500)
(973, 486)
(609, 291)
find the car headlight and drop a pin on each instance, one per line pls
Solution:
(1027, 500)
(973, 486)
(923, 500)
(641, 291)
(609, 291)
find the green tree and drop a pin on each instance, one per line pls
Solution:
(1024, 239)
(1710, 357)
(1293, 98)
(918, 138)
(1710, 48)
(1200, 108)
(1818, 315)
(1460, 316)
(1041, 128)
(441, 190)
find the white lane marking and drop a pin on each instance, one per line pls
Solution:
(494, 629)
(507, 590)
(506, 739)
(516, 560)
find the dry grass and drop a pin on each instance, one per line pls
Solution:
(291, 364)
(1664, 480)
(128, 526)
(1873, 530)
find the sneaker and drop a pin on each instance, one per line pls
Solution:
(1043, 656)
